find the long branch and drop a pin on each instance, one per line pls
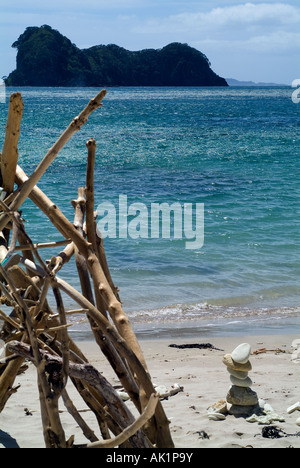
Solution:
(9, 158)
(131, 430)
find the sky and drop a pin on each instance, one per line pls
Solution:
(249, 41)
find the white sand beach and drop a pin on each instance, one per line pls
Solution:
(204, 379)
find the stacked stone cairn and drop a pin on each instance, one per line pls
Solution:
(243, 400)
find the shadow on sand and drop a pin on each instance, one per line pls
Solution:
(7, 441)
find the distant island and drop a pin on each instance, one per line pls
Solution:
(250, 84)
(47, 58)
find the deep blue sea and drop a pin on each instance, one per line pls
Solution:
(235, 150)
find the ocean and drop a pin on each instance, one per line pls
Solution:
(234, 151)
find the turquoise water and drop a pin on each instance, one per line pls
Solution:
(236, 150)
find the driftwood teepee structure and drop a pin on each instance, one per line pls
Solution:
(35, 332)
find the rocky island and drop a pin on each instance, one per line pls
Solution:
(47, 58)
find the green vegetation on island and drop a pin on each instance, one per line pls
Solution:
(47, 58)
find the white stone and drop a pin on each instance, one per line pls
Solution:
(241, 353)
(261, 403)
(161, 389)
(296, 344)
(268, 408)
(123, 395)
(219, 407)
(216, 416)
(293, 408)
(298, 422)
(268, 419)
(296, 356)
(267, 416)
(241, 383)
(238, 374)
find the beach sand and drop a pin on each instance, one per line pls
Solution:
(205, 381)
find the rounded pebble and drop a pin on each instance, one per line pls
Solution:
(228, 361)
(216, 416)
(241, 383)
(238, 374)
(219, 407)
(241, 353)
(242, 396)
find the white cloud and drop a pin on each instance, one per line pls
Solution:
(68, 5)
(263, 27)
(263, 44)
(248, 14)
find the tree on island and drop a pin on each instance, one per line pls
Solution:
(47, 58)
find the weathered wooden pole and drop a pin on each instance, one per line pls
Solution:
(9, 158)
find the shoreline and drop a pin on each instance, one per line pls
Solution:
(194, 329)
(204, 380)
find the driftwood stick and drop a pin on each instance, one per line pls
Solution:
(79, 207)
(87, 431)
(9, 158)
(26, 253)
(91, 228)
(131, 430)
(105, 420)
(14, 239)
(63, 257)
(53, 329)
(75, 125)
(46, 245)
(4, 236)
(63, 333)
(76, 311)
(7, 379)
(38, 196)
(103, 261)
(3, 247)
(7, 359)
(9, 320)
(90, 222)
(42, 299)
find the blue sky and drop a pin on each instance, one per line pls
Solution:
(258, 41)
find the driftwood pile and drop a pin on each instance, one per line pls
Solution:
(32, 331)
